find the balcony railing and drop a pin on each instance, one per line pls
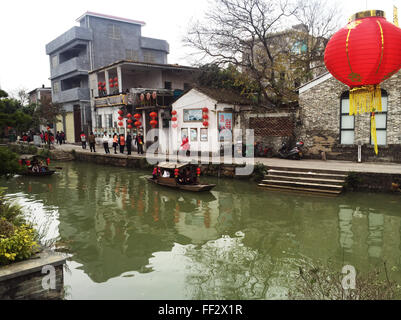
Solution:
(75, 64)
(75, 94)
(75, 33)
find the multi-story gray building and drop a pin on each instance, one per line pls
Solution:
(99, 40)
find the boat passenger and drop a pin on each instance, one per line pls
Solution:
(166, 174)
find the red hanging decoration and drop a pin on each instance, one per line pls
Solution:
(137, 124)
(137, 116)
(205, 116)
(129, 115)
(120, 118)
(129, 121)
(153, 123)
(364, 53)
(205, 110)
(153, 115)
(111, 85)
(174, 119)
(174, 112)
(28, 162)
(115, 79)
(205, 123)
(48, 161)
(176, 172)
(120, 123)
(198, 171)
(129, 126)
(120, 112)
(175, 125)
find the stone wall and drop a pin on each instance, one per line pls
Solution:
(23, 280)
(319, 123)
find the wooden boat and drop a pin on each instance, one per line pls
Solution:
(32, 160)
(172, 182)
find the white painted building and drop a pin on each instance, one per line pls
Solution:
(223, 107)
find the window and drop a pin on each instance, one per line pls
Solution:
(131, 54)
(168, 85)
(99, 121)
(194, 134)
(347, 122)
(148, 56)
(381, 122)
(109, 120)
(56, 87)
(113, 32)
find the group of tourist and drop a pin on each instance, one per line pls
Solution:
(184, 177)
(117, 141)
(60, 137)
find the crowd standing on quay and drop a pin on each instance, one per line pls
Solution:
(119, 142)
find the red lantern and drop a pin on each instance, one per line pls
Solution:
(205, 123)
(111, 85)
(129, 126)
(129, 121)
(115, 79)
(174, 112)
(176, 172)
(205, 116)
(137, 116)
(129, 115)
(137, 124)
(175, 125)
(99, 83)
(173, 119)
(120, 118)
(198, 171)
(364, 53)
(120, 112)
(154, 95)
(120, 123)
(104, 84)
(153, 123)
(99, 88)
(205, 110)
(153, 115)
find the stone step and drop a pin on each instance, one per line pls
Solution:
(306, 179)
(303, 184)
(307, 174)
(298, 169)
(321, 192)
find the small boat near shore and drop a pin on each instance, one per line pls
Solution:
(182, 176)
(35, 166)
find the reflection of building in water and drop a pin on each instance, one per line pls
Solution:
(345, 214)
(375, 237)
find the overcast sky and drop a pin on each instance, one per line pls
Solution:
(27, 26)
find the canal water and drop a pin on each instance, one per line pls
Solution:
(130, 239)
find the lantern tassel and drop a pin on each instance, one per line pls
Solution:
(365, 99)
(373, 132)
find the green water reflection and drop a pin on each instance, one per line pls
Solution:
(135, 240)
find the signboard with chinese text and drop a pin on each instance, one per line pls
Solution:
(225, 122)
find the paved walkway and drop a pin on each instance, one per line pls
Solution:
(373, 167)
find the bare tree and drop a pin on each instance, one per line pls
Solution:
(253, 35)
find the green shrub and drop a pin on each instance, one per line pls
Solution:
(259, 172)
(10, 212)
(19, 246)
(32, 150)
(45, 153)
(9, 162)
